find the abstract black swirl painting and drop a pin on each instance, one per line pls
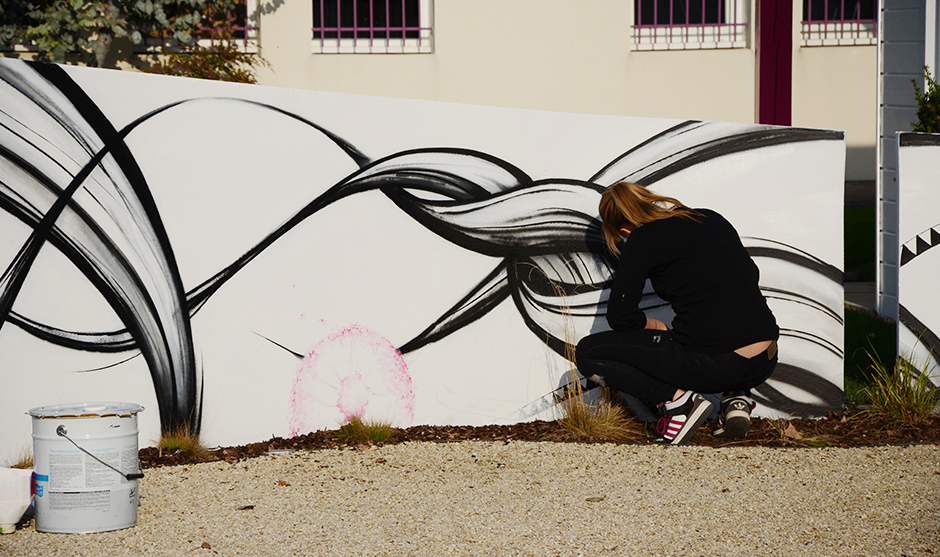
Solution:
(919, 266)
(250, 261)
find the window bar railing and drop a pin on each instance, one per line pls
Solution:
(701, 30)
(688, 8)
(840, 25)
(355, 24)
(713, 21)
(639, 13)
(718, 17)
(672, 17)
(374, 30)
(404, 25)
(371, 27)
(842, 13)
(655, 18)
(388, 30)
(734, 11)
(322, 25)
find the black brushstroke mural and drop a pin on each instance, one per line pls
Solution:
(910, 250)
(917, 181)
(70, 176)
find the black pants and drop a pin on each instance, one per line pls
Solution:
(650, 365)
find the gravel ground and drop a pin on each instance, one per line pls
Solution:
(530, 498)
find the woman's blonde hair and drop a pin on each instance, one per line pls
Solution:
(626, 203)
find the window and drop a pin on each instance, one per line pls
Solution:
(371, 26)
(839, 22)
(689, 24)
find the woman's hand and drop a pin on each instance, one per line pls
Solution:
(655, 324)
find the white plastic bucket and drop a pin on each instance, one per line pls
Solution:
(75, 492)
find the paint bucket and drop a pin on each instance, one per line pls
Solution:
(86, 466)
(15, 497)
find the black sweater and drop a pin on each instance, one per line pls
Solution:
(705, 274)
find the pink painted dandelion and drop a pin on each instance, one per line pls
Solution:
(352, 373)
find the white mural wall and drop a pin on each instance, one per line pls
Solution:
(919, 232)
(266, 262)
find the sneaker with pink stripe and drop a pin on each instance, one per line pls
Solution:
(681, 418)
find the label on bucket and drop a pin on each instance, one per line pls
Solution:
(80, 500)
(67, 469)
(72, 470)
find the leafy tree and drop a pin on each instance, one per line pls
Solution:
(88, 27)
(928, 105)
(222, 60)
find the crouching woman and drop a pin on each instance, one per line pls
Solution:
(723, 336)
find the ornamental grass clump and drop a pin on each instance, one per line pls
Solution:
(357, 430)
(902, 394)
(181, 439)
(604, 420)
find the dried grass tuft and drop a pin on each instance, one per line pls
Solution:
(24, 460)
(606, 420)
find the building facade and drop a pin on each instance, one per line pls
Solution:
(811, 63)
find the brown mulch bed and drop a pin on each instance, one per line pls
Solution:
(834, 431)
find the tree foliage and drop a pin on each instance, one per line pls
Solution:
(928, 105)
(221, 60)
(58, 28)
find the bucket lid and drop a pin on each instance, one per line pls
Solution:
(86, 410)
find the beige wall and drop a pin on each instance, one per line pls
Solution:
(836, 87)
(542, 54)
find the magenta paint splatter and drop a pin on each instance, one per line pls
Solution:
(353, 372)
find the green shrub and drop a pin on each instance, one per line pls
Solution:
(364, 433)
(928, 105)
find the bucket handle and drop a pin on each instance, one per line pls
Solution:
(62, 432)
